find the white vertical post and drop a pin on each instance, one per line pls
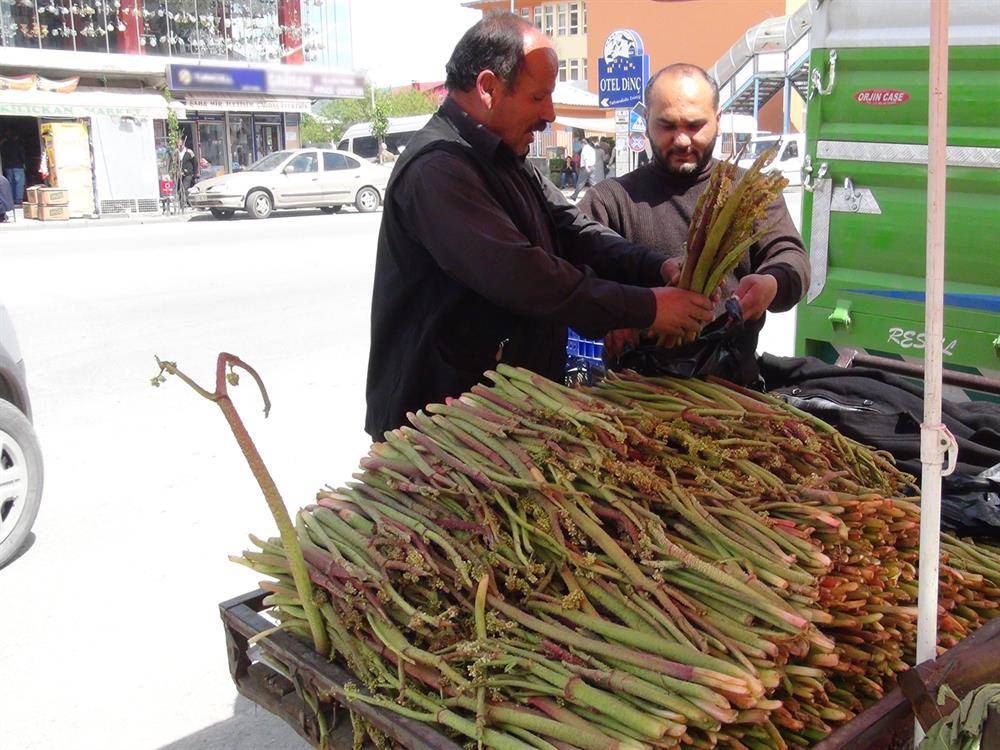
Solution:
(932, 438)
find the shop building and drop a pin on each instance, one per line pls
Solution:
(80, 93)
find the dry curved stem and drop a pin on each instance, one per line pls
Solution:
(225, 374)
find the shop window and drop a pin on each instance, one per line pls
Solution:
(366, 147)
(212, 146)
(303, 163)
(240, 142)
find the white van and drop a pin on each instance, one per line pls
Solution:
(734, 131)
(791, 150)
(358, 139)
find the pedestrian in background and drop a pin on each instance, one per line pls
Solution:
(6, 199)
(189, 168)
(12, 157)
(585, 175)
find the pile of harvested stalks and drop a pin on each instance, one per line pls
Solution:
(647, 563)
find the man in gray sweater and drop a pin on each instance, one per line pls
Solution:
(653, 206)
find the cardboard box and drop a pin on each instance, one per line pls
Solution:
(30, 210)
(31, 194)
(53, 196)
(53, 213)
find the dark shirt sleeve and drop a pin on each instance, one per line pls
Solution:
(468, 233)
(588, 242)
(781, 253)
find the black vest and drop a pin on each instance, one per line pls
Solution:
(431, 336)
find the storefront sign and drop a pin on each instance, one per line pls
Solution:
(623, 71)
(216, 78)
(77, 110)
(317, 84)
(246, 104)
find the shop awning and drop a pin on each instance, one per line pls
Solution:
(245, 103)
(597, 125)
(108, 102)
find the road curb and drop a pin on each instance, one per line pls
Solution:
(27, 225)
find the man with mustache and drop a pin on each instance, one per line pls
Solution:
(480, 258)
(653, 206)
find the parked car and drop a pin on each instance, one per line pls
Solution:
(20, 456)
(302, 178)
(791, 150)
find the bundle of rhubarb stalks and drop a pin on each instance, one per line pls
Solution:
(648, 563)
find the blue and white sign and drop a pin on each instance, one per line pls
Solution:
(217, 78)
(636, 122)
(623, 71)
(284, 81)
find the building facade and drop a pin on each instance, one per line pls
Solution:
(109, 76)
(695, 31)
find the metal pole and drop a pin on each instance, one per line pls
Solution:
(756, 101)
(933, 440)
(787, 122)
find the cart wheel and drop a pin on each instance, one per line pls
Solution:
(20, 480)
(259, 204)
(367, 200)
(223, 213)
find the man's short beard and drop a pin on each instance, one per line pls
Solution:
(688, 169)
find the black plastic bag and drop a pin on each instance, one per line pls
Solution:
(970, 505)
(716, 351)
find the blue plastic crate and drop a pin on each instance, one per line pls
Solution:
(577, 347)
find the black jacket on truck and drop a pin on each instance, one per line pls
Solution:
(482, 260)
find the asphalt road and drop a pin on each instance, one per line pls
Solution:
(110, 634)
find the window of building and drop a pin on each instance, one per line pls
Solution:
(548, 25)
(562, 13)
(585, 69)
(562, 70)
(791, 150)
(574, 70)
(574, 19)
(538, 16)
(525, 13)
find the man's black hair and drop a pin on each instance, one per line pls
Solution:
(496, 43)
(684, 69)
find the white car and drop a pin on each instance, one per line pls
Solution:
(303, 178)
(791, 150)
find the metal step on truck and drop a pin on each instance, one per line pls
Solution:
(865, 177)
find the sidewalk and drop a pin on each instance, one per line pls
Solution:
(22, 224)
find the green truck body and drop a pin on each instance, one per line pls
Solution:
(865, 205)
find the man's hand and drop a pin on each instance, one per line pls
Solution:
(671, 273)
(755, 293)
(680, 312)
(617, 341)
(671, 270)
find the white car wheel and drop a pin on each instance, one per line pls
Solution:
(367, 200)
(259, 204)
(20, 480)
